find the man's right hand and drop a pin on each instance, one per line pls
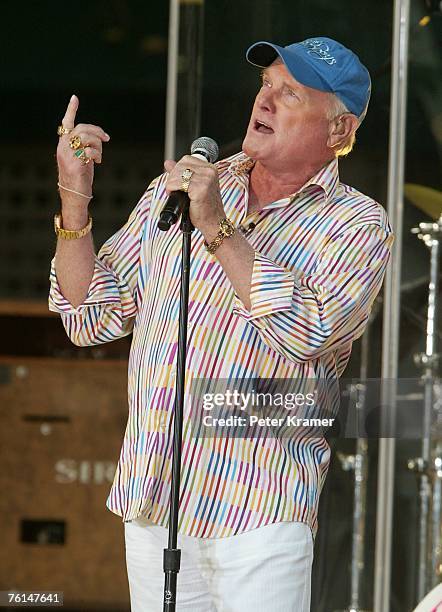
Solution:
(72, 172)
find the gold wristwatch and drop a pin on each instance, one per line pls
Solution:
(71, 234)
(226, 229)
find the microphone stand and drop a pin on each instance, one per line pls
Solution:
(178, 202)
(171, 554)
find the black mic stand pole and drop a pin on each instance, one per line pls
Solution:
(172, 555)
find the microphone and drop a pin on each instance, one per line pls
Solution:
(203, 148)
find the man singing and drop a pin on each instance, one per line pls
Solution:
(286, 262)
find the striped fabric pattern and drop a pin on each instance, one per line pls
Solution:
(320, 257)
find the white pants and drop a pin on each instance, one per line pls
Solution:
(263, 570)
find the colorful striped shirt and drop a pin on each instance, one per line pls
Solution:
(320, 257)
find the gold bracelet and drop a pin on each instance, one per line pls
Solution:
(70, 234)
(226, 229)
(83, 195)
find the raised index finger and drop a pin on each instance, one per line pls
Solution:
(71, 111)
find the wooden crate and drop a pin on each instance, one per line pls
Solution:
(61, 428)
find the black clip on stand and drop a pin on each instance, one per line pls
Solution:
(172, 555)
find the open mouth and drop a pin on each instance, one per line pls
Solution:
(262, 127)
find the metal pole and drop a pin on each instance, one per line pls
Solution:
(184, 76)
(390, 340)
(172, 79)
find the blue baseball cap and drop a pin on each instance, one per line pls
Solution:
(321, 63)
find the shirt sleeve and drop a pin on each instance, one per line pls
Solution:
(111, 304)
(304, 318)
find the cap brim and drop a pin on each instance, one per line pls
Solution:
(264, 53)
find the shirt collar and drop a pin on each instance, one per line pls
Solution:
(327, 178)
(241, 165)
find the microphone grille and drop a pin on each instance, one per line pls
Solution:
(207, 147)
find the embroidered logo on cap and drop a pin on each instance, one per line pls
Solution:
(319, 50)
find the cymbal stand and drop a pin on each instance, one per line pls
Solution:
(428, 467)
(359, 464)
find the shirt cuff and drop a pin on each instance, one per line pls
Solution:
(271, 291)
(102, 290)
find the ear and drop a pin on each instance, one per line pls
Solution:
(341, 128)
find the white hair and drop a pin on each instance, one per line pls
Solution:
(336, 108)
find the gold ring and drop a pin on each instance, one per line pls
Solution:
(81, 155)
(75, 142)
(185, 179)
(62, 131)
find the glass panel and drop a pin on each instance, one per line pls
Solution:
(423, 203)
(229, 85)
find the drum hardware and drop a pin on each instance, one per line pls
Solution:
(358, 463)
(430, 361)
(428, 466)
(417, 465)
(429, 201)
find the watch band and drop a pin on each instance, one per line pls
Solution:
(226, 229)
(70, 234)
